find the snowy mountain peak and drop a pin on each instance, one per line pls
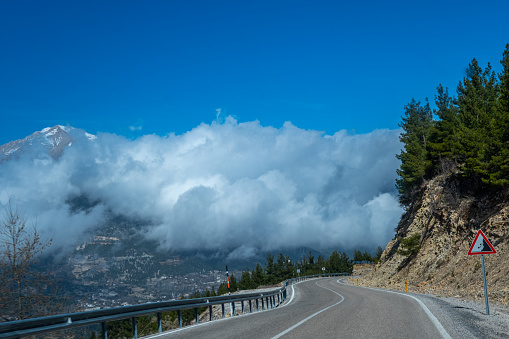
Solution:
(53, 139)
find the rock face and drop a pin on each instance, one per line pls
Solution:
(446, 214)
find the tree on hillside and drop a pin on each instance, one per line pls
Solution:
(339, 263)
(320, 262)
(379, 252)
(477, 100)
(24, 291)
(279, 268)
(311, 258)
(257, 275)
(416, 125)
(233, 283)
(410, 245)
(246, 282)
(270, 270)
(500, 161)
(444, 139)
(357, 255)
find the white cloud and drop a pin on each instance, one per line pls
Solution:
(224, 185)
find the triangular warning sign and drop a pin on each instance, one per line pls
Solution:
(481, 245)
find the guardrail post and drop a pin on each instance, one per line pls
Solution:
(179, 316)
(278, 301)
(210, 313)
(233, 309)
(257, 308)
(135, 328)
(104, 330)
(196, 315)
(159, 323)
(242, 303)
(262, 305)
(222, 308)
(250, 306)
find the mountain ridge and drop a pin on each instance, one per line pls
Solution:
(53, 140)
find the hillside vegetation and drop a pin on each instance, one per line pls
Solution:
(453, 181)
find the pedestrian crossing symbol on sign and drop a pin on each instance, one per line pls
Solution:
(481, 245)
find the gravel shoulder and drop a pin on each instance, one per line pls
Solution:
(464, 318)
(467, 319)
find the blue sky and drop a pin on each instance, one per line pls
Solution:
(154, 67)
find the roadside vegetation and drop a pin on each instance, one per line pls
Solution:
(25, 291)
(467, 134)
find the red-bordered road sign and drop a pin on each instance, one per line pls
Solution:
(481, 245)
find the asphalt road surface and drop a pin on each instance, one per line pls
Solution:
(325, 308)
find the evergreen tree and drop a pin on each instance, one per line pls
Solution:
(416, 125)
(246, 282)
(320, 262)
(279, 274)
(258, 276)
(269, 269)
(444, 140)
(366, 256)
(311, 258)
(222, 289)
(477, 98)
(500, 162)
(346, 263)
(288, 270)
(233, 283)
(357, 255)
(339, 263)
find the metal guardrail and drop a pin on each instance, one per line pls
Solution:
(21, 328)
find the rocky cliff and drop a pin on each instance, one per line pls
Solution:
(445, 216)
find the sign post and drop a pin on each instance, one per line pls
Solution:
(228, 284)
(482, 246)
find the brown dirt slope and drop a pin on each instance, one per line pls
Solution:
(447, 213)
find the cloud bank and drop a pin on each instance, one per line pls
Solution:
(237, 186)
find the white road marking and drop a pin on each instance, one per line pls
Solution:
(311, 316)
(433, 319)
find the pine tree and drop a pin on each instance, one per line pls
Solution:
(357, 255)
(246, 282)
(500, 171)
(258, 276)
(279, 268)
(444, 141)
(233, 283)
(477, 98)
(379, 252)
(269, 269)
(320, 262)
(416, 125)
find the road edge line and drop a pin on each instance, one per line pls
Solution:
(430, 315)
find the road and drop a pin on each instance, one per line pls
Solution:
(323, 308)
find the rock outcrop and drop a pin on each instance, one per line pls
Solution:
(446, 214)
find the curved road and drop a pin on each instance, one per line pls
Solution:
(323, 308)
